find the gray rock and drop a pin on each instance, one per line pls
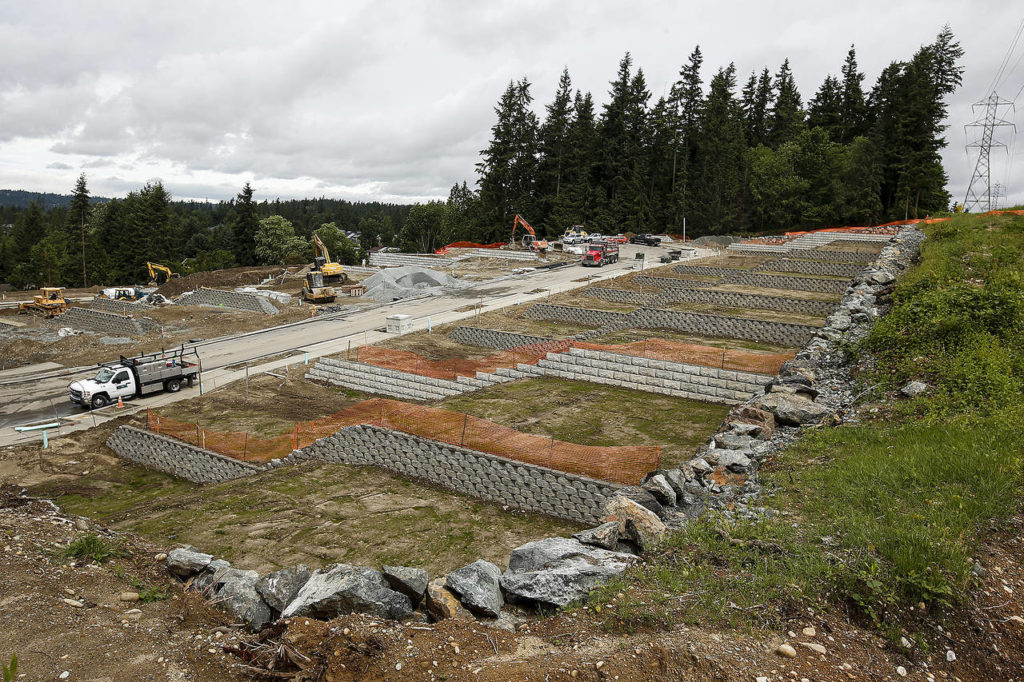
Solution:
(209, 578)
(792, 410)
(642, 497)
(677, 479)
(660, 488)
(840, 321)
(412, 582)
(186, 561)
(700, 466)
(278, 589)
(794, 389)
(691, 505)
(730, 441)
(478, 587)
(881, 277)
(914, 389)
(557, 571)
(736, 461)
(745, 429)
(605, 536)
(238, 596)
(341, 589)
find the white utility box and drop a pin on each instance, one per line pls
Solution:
(399, 324)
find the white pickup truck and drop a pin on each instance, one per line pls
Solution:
(132, 377)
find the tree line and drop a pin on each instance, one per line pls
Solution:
(109, 243)
(724, 157)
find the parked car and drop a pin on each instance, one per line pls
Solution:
(645, 239)
(620, 239)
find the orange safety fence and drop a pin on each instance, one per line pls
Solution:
(618, 464)
(656, 349)
(469, 245)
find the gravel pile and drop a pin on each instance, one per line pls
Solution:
(409, 280)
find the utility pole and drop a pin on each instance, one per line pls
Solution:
(979, 191)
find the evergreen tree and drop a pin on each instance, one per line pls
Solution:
(577, 204)
(787, 114)
(509, 163)
(718, 180)
(244, 225)
(825, 108)
(77, 219)
(554, 148)
(853, 107)
(686, 102)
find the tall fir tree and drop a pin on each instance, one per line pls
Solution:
(853, 105)
(77, 219)
(787, 114)
(825, 108)
(718, 180)
(244, 225)
(686, 102)
(553, 147)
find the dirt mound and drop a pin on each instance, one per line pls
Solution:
(232, 277)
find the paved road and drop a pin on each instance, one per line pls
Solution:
(32, 398)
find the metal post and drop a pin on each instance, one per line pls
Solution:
(462, 442)
(245, 446)
(247, 383)
(349, 349)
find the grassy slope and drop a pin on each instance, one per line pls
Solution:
(888, 514)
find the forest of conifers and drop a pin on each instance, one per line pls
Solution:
(723, 157)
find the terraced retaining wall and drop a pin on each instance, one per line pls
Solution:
(492, 338)
(108, 323)
(762, 331)
(671, 282)
(793, 283)
(720, 298)
(520, 486)
(228, 299)
(810, 267)
(175, 457)
(110, 305)
(836, 256)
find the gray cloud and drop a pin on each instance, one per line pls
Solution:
(394, 100)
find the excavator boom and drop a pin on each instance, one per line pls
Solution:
(539, 245)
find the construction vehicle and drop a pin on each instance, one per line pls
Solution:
(138, 376)
(529, 240)
(321, 278)
(575, 235)
(600, 253)
(122, 293)
(49, 302)
(155, 269)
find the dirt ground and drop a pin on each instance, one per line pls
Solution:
(180, 637)
(231, 277)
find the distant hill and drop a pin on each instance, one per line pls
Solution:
(19, 198)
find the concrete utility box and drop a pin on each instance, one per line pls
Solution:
(399, 324)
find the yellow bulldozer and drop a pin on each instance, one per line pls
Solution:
(321, 278)
(49, 302)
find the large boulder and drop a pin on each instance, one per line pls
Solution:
(341, 589)
(605, 536)
(209, 579)
(442, 604)
(642, 497)
(636, 523)
(412, 582)
(793, 410)
(238, 596)
(477, 586)
(557, 571)
(187, 561)
(914, 389)
(660, 488)
(278, 589)
(733, 441)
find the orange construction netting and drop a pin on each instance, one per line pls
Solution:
(469, 245)
(656, 349)
(617, 464)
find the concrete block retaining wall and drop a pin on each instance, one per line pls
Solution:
(793, 283)
(623, 296)
(108, 323)
(109, 305)
(666, 283)
(762, 331)
(492, 338)
(228, 299)
(836, 256)
(518, 485)
(381, 381)
(573, 315)
(719, 298)
(175, 457)
(497, 253)
(388, 260)
(705, 271)
(811, 267)
(696, 382)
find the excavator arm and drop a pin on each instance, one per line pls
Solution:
(519, 222)
(157, 269)
(320, 251)
(535, 244)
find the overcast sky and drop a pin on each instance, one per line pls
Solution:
(393, 101)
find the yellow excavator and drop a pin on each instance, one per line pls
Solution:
(49, 302)
(155, 270)
(321, 278)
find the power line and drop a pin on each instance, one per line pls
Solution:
(979, 191)
(1006, 58)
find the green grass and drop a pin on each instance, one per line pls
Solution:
(93, 548)
(876, 518)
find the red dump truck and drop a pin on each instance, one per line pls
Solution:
(600, 253)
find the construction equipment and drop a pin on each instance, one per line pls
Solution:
(121, 293)
(529, 240)
(601, 253)
(155, 269)
(322, 276)
(138, 376)
(49, 302)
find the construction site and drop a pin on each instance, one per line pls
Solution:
(438, 414)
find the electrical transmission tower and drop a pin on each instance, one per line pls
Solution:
(979, 191)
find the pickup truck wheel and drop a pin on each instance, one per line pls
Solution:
(173, 385)
(99, 401)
